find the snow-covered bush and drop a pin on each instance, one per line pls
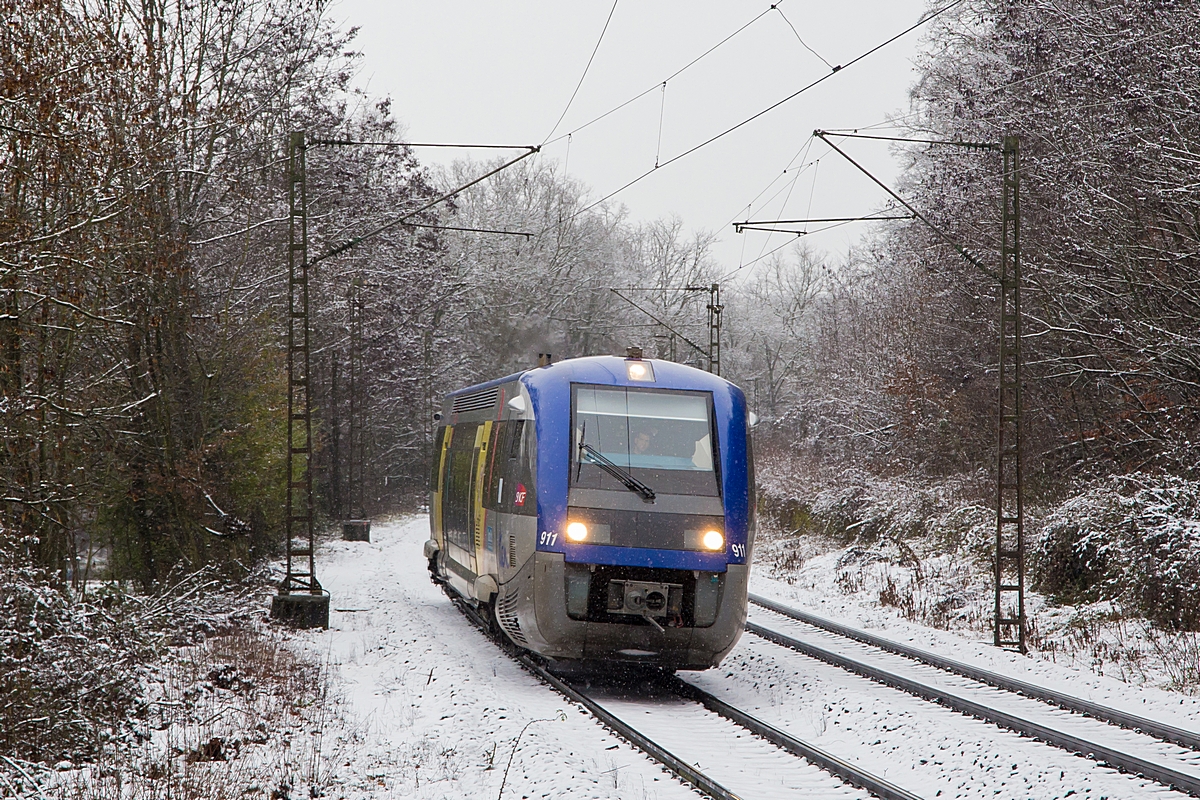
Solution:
(856, 506)
(1131, 539)
(72, 664)
(69, 669)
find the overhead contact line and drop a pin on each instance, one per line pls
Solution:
(854, 134)
(970, 257)
(670, 77)
(836, 69)
(526, 234)
(756, 224)
(591, 58)
(404, 218)
(356, 143)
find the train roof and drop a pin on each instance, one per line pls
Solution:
(607, 370)
(478, 387)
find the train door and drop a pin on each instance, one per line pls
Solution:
(436, 489)
(493, 487)
(479, 514)
(502, 488)
(457, 515)
(508, 443)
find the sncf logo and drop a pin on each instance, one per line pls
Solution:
(519, 497)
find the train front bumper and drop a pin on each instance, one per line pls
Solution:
(552, 632)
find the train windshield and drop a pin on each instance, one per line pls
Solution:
(663, 439)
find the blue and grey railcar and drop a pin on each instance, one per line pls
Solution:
(599, 509)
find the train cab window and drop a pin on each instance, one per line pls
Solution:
(663, 438)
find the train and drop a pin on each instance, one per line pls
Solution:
(598, 510)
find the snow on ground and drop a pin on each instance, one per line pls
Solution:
(926, 748)
(816, 587)
(440, 709)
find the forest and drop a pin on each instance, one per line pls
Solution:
(143, 268)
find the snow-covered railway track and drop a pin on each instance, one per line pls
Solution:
(1125, 748)
(851, 774)
(1161, 730)
(724, 752)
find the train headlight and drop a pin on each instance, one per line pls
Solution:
(712, 540)
(638, 370)
(577, 532)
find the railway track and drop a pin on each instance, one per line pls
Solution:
(1161, 730)
(1132, 744)
(681, 726)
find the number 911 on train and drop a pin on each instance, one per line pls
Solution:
(598, 510)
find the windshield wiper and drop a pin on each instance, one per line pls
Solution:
(631, 483)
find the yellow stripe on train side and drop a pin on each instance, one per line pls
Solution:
(436, 510)
(483, 435)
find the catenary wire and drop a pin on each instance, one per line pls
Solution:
(804, 148)
(798, 39)
(791, 187)
(595, 50)
(662, 109)
(352, 142)
(898, 122)
(798, 234)
(812, 192)
(796, 176)
(670, 77)
(924, 20)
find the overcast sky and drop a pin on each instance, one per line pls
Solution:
(503, 72)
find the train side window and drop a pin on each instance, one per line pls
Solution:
(508, 465)
(493, 470)
(511, 489)
(526, 470)
(516, 439)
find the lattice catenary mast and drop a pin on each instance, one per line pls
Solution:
(300, 600)
(1010, 506)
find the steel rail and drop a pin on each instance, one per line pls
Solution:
(677, 765)
(685, 771)
(1112, 716)
(838, 767)
(1098, 752)
(830, 763)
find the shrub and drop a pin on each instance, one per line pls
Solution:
(1131, 539)
(72, 664)
(69, 669)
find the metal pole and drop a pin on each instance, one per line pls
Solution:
(1010, 626)
(335, 437)
(714, 329)
(300, 579)
(356, 493)
(1009, 568)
